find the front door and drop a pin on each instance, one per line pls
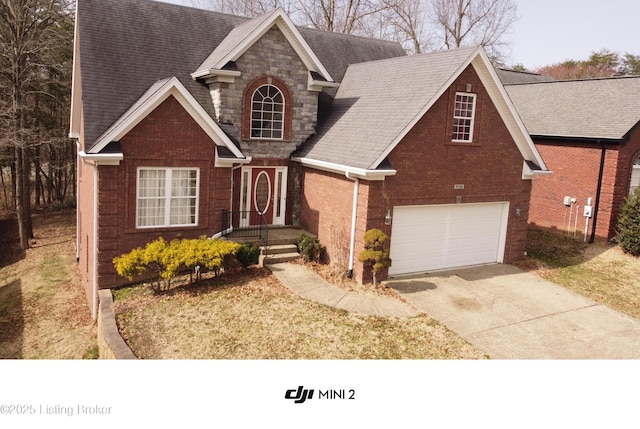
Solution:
(263, 192)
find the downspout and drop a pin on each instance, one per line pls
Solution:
(354, 214)
(94, 309)
(77, 200)
(595, 209)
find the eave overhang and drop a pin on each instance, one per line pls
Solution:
(102, 158)
(263, 24)
(360, 173)
(155, 96)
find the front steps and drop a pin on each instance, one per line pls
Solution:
(278, 253)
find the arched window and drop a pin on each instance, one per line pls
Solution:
(267, 113)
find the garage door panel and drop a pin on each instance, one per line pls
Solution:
(426, 238)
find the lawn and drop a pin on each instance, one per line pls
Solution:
(250, 315)
(43, 311)
(600, 271)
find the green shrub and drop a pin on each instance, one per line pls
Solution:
(628, 228)
(167, 260)
(374, 254)
(310, 248)
(248, 254)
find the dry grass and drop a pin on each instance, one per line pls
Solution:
(43, 312)
(602, 272)
(251, 315)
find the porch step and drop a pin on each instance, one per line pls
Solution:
(278, 253)
(279, 249)
(278, 258)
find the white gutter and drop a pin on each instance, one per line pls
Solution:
(352, 172)
(354, 215)
(102, 158)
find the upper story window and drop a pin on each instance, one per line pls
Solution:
(267, 113)
(167, 197)
(635, 176)
(463, 116)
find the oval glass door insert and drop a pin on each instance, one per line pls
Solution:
(262, 192)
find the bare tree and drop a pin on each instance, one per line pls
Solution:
(474, 22)
(248, 8)
(30, 37)
(407, 22)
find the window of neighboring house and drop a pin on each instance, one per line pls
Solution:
(463, 116)
(167, 197)
(267, 113)
(635, 176)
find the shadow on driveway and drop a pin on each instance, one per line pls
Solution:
(511, 314)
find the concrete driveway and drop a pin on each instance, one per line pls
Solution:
(510, 314)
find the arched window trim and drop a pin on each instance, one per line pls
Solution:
(268, 107)
(247, 106)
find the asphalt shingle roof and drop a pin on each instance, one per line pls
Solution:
(376, 102)
(594, 109)
(126, 46)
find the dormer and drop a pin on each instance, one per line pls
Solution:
(264, 82)
(219, 66)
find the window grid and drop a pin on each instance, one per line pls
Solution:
(267, 113)
(159, 208)
(463, 116)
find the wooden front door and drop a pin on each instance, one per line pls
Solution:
(263, 192)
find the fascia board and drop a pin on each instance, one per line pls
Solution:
(291, 33)
(76, 85)
(331, 167)
(528, 173)
(318, 85)
(506, 109)
(424, 110)
(102, 158)
(172, 87)
(230, 162)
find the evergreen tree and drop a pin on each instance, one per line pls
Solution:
(628, 228)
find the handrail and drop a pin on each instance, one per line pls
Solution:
(250, 224)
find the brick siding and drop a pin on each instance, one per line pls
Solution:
(168, 137)
(428, 166)
(576, 167)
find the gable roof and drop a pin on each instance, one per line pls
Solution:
(126, 46)
(152, 98)
(379, 102)
(246, 34)
(584, 109)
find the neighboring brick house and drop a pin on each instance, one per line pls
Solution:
(183, 114)
(587, 132)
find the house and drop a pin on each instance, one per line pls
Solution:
(587, 132)
(184, 117)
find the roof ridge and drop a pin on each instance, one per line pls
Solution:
(414, 56)
(592, 79)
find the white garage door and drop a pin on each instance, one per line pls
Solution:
(435, 237)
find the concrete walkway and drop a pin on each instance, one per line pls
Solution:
(510, 314)
(306, 283)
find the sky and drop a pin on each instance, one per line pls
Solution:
(552, 31)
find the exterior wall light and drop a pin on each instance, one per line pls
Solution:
(387, 218)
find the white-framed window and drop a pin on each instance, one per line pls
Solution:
(463, 116)
(267, 113)
(167, 197)
(635, 177)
